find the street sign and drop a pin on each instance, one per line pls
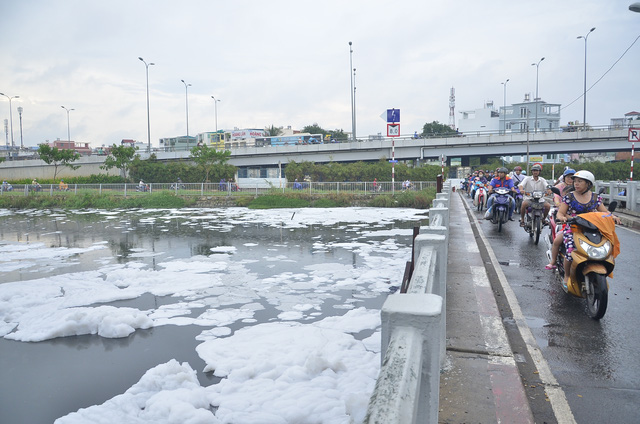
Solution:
(393, 130)
(634, 135)
(393, 115)
(393, 161)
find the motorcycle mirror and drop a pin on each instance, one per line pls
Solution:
(612, 206)
(602, 190)
(555, 190)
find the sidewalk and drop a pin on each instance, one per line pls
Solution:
(480, 382)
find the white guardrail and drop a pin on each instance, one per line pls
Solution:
(414, 331)
(627, 193)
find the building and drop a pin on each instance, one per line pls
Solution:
(520, 116)
(82, 148)
(630, 120)
(486, 119)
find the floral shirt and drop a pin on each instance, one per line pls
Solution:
(576, 208)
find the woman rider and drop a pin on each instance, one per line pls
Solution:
(581, 200)
(564, 186)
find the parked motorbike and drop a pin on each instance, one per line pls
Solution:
(480, 197)
(592, 262)
(534, 216)
(500, 208)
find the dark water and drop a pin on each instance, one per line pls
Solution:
(42, 381)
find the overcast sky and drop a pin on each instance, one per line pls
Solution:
(286, 63)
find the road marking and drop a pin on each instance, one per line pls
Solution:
(555, 393)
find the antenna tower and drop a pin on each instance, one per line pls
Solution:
(452, 107)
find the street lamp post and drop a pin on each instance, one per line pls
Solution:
(186, 99)
(584, 94)
(20, 118)
(146, 65)
(10, 114)
(353, 100)
(215, 104)
(535, 124)
(68, 126)
(504, 107)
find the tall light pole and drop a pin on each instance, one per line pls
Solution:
(68, 126)
(20, 118)
(186, 99)
(353, 103)
(504, 107)
(584, 94)
(215, 104)
(10, 114)
(535, 124)
(146, 65)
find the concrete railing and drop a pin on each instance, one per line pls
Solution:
(627, 193)
(414, 331)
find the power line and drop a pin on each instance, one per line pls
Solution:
(603, 75)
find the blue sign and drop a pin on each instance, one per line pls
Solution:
(393, 115)
(393, 160)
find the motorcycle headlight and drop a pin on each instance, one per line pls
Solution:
(594, 252)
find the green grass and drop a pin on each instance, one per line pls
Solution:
(161, 200)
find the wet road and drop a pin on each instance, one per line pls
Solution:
(597, 364)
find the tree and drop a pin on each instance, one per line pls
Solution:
(273, 131)
(120, 157)
(207, 158)
(52, 155)
(436, 129)
(317, 129)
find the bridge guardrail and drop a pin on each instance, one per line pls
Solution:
(414, 331)
(627, 193)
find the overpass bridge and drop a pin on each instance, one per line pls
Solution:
(464, 147)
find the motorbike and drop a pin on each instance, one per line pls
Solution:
(534, 216)
(592, 262)
(517, 196)
(500, 208)
(144, 187)
(480, 197)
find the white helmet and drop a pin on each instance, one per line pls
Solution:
(585, 175)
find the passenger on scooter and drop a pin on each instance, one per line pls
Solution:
(581, 200)
(565, 185)
(501, 180)
(530, 184)
(480, 178)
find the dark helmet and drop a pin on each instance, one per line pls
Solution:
(517, 168)
(536, 168)
(503, 169)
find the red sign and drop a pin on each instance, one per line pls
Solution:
(393, 130)
(634, 135)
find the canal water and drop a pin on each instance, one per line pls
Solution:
(90, 300)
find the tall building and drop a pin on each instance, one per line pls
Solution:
(519, 116)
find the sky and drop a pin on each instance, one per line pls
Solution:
(301, 365)
(287, 63)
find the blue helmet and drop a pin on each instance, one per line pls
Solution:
(568, 171)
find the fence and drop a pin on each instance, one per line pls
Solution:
(414, 331)
(217, 189)
(626, 193)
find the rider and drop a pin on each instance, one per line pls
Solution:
(581, 200)
(517, 176)
(530, 184)
(500, 180)
(564, 186)
(480, 178)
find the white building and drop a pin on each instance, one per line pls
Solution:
(486, 119)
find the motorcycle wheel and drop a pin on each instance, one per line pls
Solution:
(537, 227)
(598, 297)
(480, 202)
(500, 220)
(518, 205)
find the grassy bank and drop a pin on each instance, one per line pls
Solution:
(166, 199)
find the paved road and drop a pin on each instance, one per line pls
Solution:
(596, 364)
